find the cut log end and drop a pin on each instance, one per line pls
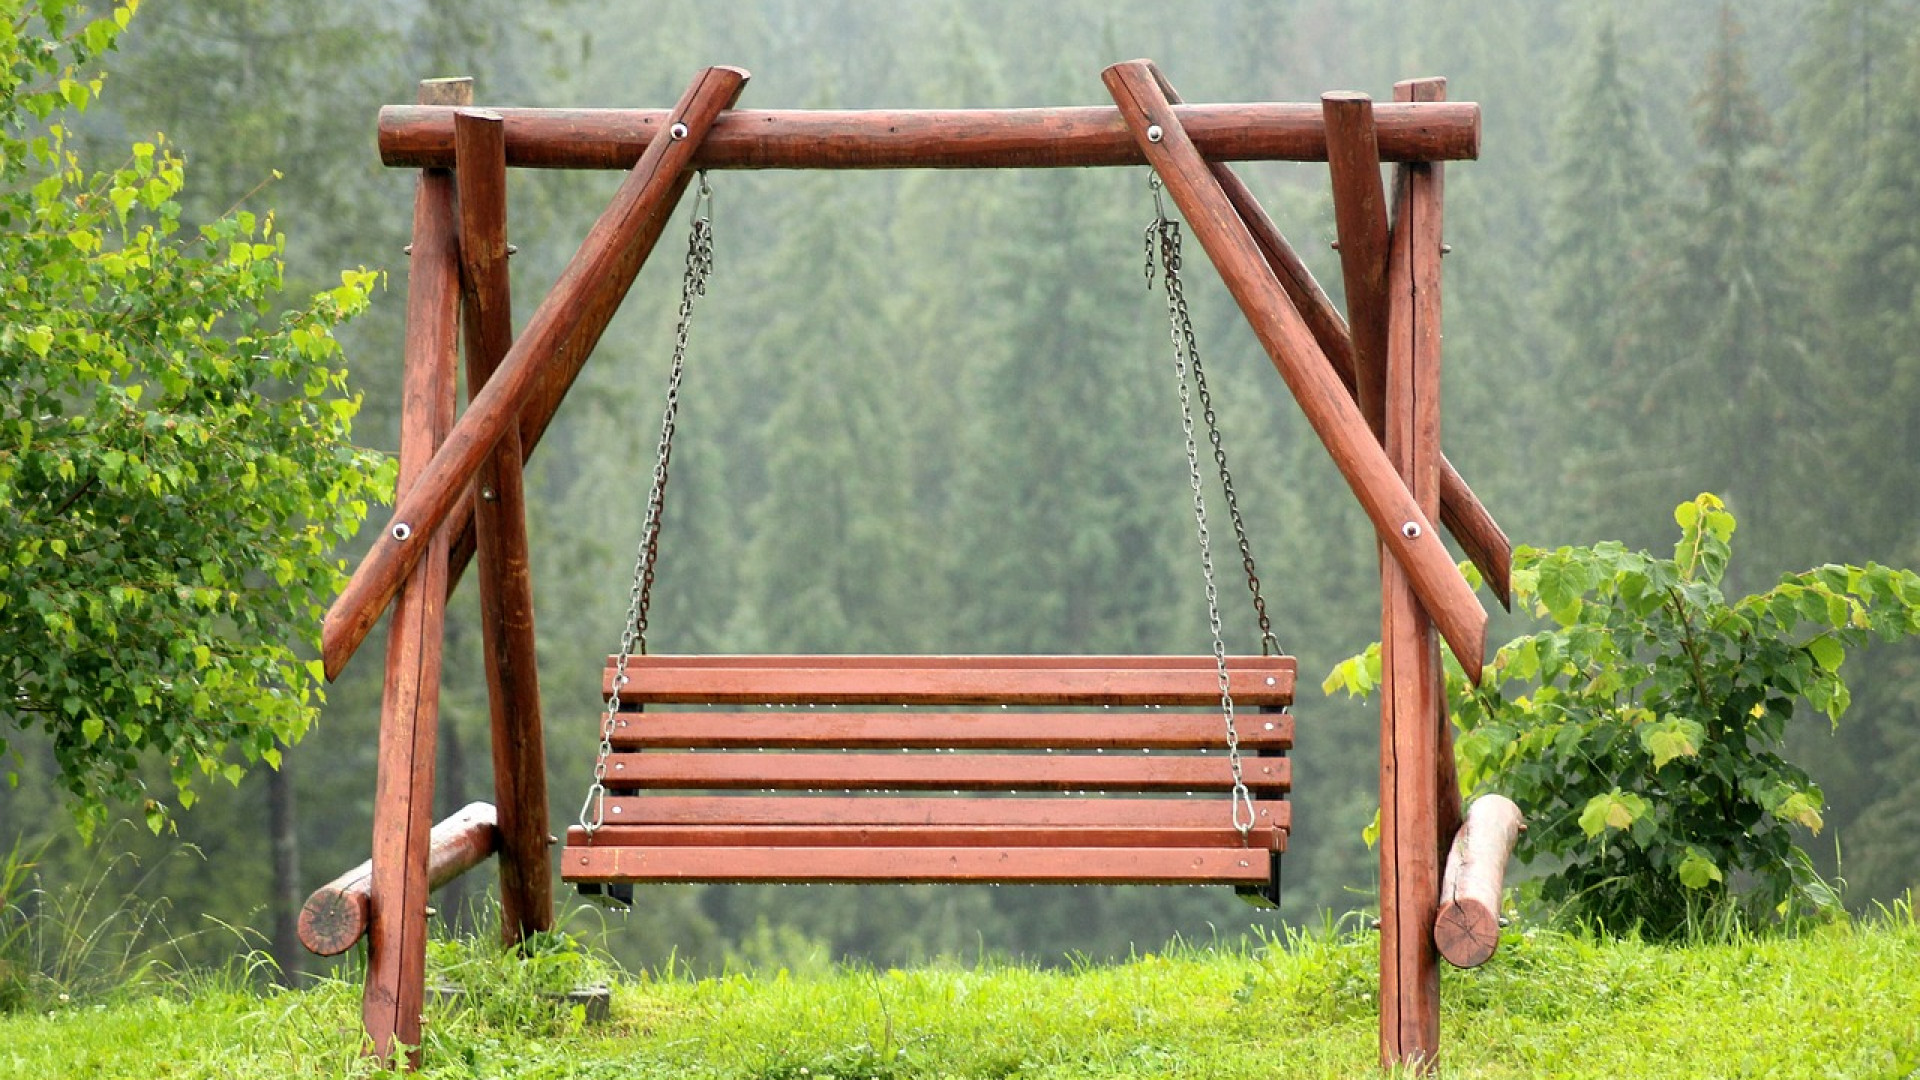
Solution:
(338, 913)
(1467, 928)
(1466, 932)
(332, 920)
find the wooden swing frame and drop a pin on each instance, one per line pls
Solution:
(1371, 393)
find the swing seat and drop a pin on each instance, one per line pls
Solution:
(982, 769)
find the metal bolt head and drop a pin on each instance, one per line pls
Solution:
(1154, 134)
(402, 531)
(1411, 530)
(678, 131)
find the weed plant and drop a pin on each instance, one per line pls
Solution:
(93, 937)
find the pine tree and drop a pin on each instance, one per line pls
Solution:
(1605, 185)
(1870, 238)
(1718, 397)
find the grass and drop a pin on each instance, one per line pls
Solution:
(87, 939)
(1838, 1001)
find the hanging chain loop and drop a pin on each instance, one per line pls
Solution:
(633, 639)
(1184, 340)
(1164, 234)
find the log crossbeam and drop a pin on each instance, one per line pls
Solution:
(336, 916)
(422, 137)
(1467, 928)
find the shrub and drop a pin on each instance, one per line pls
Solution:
(1641, 733)
(176, 459)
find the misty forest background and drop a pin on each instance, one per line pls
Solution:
(934, 411)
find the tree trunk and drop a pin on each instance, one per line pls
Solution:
(287, 951)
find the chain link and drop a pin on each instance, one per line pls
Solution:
(633, 639)
(1165, 234)
(1185, 342)
(1269, 644)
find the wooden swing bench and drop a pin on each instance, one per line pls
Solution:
(982, 769)
(925, 769)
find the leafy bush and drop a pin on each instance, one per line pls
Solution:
(175, 453)
(1641, 734)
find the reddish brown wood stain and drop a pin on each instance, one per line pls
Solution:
(1124, 791)
(500, 527)
(1003, 769)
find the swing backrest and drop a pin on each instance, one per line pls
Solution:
(1006, 769)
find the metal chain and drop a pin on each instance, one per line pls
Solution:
(633, 639)
(1269, 644)
(1184, 339)
(1167, 233)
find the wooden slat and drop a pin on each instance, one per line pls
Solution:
(1015, 866)
(1219, 834)
(1256, 681)
(997, 661)
(819, 729)
(940, 772)
(411, 136)
(1053, 812)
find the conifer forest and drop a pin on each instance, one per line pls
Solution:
(933, 411)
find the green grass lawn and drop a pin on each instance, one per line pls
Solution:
(1842, 1001)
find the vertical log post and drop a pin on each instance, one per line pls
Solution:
(1413, 705)
(500, 532)
(1452, 806)
(410, 700)
(1360, 216)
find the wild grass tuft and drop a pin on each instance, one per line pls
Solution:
(93, 937)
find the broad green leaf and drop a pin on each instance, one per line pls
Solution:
(1801, 809)
(1616, 809)
(1674, 737)
(1697, 871)
(1827, 652)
